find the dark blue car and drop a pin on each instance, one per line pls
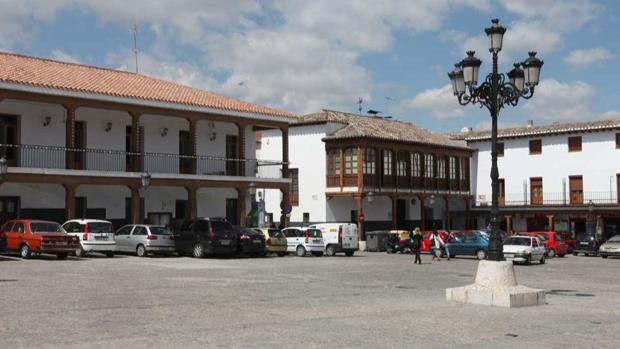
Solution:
(468, 245)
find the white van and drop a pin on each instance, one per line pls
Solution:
(303, 240)
(339, 237)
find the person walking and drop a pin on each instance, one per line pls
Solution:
(416, 242)
(436, 245)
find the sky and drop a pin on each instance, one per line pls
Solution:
(303, 56)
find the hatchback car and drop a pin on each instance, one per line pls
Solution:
(250, 241)
(205, 236)
(275, 241)
(471, 244)
(588, 244)
(145, 239)
(35, 237)
(611, 247)
(524, 249)
(95, 236)
(304, 240)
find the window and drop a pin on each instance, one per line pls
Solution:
(501, 193)
(333, 162)
(350, 161)
(617, 140)
(452, 168)
(401, 165)
(575, 184)
(535, 146)
(370, 162)
(500, 149)
(294, 186)
(140, 231)
(574, 143)
(124, 230)
(463, 168)
(536, 191)
(416, 170)
(441, 167)
(18, 228)
(534, 243)
(429, 166)
(387, 162)
(7, 227)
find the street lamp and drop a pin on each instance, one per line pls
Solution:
(252, 189)
(495, 93)
(371, 197)
(4, 167)
(145, 180)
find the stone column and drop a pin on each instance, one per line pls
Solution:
(360, 211)
(393, 198)
(192, 202)
(508, 224)
(135, 204)
(422, 215)
(70, 200)
(550, 222)
(447, 212)
(241, 210)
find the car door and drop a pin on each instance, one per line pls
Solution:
(122, 238)
(291, 238)
(538, 249)
(17, 235)
(9, 235)
(184, 237)
(137, 237)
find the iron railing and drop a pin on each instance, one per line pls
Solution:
(107, 160)
(551, 198)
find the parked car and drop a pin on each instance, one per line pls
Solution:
(588, 244)
(35, 237)
(426, 243)
(304, 240)
(556, 244)
(339, 237)
(144, 239)
(611, 247)
(569, 239)
(468, 244)
(275, 241)
(250, 241)
(398, 241)
(95, 236)
(205, 236)
(2, 242)
(524, 249)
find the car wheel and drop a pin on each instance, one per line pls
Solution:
(330, 250)
(561, 255)
(586, 254)
(141, 251)
(25, 252)
(542, 259)
(349, 253)
(604, 256)
(281, 254)
(199, 251)
(528, 260)
(551, 253)
(481, 254)
(300, 251)
(109, 254)
(79, 252)
(61, 256)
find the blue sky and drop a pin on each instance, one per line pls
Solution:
(302, 56)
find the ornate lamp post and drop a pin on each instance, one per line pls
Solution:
(494, 94)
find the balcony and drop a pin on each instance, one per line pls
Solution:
(104, 160)
(550, 199)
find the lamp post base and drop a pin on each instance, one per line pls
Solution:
(496, 285)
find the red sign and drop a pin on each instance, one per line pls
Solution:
(361, 217)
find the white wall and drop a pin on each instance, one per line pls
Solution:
(112, 198)
(598, 161)
(96, 138)
(212, 201)
(36, 195)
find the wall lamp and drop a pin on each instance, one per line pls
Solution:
(164, 132)
(108, 126)
(47, 120)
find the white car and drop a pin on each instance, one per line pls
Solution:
(339, 237)
(524, 249)
(95, 236)
(304, 240)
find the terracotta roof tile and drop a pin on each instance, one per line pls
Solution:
(45, 73)
(355, 126)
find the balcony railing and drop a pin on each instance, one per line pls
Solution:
(551, 199)
(51, 157)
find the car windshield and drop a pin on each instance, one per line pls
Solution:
(542, 237)
(517, 241)
(585, 237)
(248, 231)
(221, 226)
(100, 227)
(275, 233)
(615, 238)
(160, 231)
(45, 227)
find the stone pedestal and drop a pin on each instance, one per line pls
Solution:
(496, 285)
(362, 245)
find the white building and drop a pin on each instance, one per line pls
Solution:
(83, 141)
(395, 173)
(559, 175)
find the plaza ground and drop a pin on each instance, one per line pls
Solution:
(372, 300)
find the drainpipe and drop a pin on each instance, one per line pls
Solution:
(564, 191)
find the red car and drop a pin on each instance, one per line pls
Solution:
(569, 239)
(33, 236)
(554, 243)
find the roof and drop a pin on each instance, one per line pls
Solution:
(543, 130)
(71, 77)
(357, 126)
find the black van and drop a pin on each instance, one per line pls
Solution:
(587, 243)
(204, 236)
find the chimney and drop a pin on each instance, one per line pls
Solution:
(530, 123)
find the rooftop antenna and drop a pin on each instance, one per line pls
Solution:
(134, 29)
(359, 103)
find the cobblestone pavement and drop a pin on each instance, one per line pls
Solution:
(372, 300)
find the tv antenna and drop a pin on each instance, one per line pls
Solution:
(359, 104)
(134, 29)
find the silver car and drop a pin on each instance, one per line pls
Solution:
(143, 239)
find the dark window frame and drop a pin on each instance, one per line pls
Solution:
(574, 144)
(500, 149)
(535, 146)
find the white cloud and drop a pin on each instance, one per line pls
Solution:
(557, 101)
(562, 15)
(441, 102)
(580, 59)
(65, 57)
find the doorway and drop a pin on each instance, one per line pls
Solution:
(9, 208)
(401, 214)
(80, 145)
(185, 150)
(231, 211)
(8, 137)
(231, 153)
(160, 218)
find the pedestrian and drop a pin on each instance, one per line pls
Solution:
(416, 242)
(436, 245)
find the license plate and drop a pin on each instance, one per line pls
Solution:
(225, 242)
(316, 241)
(101, 237)
(61, 243)
(257, 241)
(583, 243)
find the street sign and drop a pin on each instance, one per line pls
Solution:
(361, 217)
